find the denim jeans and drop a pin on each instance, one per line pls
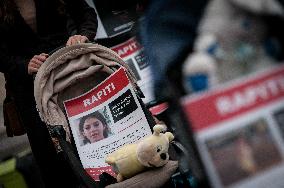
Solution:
(167, 32)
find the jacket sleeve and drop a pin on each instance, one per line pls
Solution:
(12, 64)
(84, 18)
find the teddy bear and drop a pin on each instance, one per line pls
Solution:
(240, 36)
(149, 152)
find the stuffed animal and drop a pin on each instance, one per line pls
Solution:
(151, 151)
(237, 35)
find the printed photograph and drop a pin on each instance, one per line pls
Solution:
(243, 153)
(94, 127)
(279, 118)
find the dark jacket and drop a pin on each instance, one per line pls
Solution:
(18, 43)
(168, 33)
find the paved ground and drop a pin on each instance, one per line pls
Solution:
(9, 145)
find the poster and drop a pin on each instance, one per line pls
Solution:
(239, 130)
(104, 119)
(133, 54)
(115, 17)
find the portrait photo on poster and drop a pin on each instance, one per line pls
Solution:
(248, 151)
(93, 127)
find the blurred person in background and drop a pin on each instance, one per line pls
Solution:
(168, 32)
(239, 30)
(29, 30)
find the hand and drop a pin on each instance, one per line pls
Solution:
(36, 62)
(76, 39)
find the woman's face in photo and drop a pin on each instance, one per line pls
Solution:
(93, 129)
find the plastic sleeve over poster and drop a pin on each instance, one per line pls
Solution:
(104, 119)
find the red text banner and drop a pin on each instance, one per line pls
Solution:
(127, 48)
(223, 104)
(98, 95)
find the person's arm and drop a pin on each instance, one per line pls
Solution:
(19, 66)
(84, 18)
(36, 62)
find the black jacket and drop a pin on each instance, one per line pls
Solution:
(18, 42)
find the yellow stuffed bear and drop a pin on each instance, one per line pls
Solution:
(151, 151)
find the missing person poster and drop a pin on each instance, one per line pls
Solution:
(239, 130)
(116, 17)
(104, 119)
(133, 54)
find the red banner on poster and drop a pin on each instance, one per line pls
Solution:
(225, 103)
(127, 48)
(98, 95)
